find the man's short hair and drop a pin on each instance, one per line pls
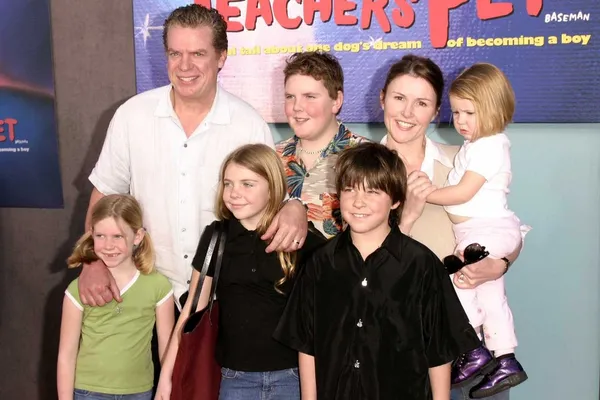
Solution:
(196, 16)
(374, 166)
(320, 66)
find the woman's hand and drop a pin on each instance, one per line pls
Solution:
(473, 275)
(418, 187)
(488, 269)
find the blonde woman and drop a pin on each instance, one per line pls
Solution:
(253, 285)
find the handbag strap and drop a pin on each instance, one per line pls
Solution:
(219, 261)
(219, 231)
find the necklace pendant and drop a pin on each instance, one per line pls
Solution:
(118, 309)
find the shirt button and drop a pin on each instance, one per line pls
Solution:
(183, 229)
(364, 282)
(359, 323)
(189, 281)
(183, 174)
(185, 145)
(253, 269)
(185, 256)
(356, 364)
(307, 175)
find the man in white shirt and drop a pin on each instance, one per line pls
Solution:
(166, 146)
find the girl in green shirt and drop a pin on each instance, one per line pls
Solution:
(105, 351)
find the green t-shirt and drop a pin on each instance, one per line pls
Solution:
(114, 349)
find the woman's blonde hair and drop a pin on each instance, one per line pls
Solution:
(123, 208)
(264, 161)
(492, 95)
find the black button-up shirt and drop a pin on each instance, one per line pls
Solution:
(375, 326)
(250, 307)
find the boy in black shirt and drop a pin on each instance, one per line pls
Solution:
(374, 314)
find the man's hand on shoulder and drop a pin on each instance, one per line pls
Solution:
(288, 229)
(97, 285)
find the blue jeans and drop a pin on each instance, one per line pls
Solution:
(272, 385)
(79, 394)
(463, 393)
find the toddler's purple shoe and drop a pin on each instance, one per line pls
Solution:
(508, 373)
(470, 365)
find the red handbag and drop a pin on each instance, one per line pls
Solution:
(196, 373)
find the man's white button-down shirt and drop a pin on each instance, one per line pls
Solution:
(147, 153)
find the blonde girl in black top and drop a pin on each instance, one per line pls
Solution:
(253, 285)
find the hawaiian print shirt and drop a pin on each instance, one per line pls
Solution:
(316, 187)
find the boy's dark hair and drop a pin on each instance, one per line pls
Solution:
(320, 66)
(374, 166)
